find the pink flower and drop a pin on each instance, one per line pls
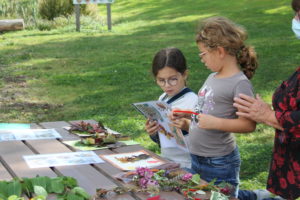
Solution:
(143, 182)
(144, 172)
(187, 177)
(152, 183)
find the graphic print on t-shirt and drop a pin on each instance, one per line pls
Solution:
(205, 101)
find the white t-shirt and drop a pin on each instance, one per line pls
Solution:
(296, 27)
(173, 152)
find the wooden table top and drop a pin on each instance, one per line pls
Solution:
(90, 177)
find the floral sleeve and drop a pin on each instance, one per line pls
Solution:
(290, 121)
(286, 103)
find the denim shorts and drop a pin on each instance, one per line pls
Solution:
(224, 168)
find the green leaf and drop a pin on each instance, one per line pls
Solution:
(15, 197)
(40, 191)
(72, 196)
(27, 187)
(217, 196)
(69, 182)
(3, 189)
(196, 179)
(43, 181)
(57, 185)
(14, 188)
(40, 197)
(81, 192)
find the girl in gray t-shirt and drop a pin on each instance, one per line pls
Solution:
(212, 145)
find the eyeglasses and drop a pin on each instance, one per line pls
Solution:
(202, 54)
(171, 81)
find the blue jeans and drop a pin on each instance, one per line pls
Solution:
(250, 195)
(246, 195)
(224, 168)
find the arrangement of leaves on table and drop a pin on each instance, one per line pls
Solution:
(95, 134)
(38, 188)
(167, 177)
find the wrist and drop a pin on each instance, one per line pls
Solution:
(270, 115)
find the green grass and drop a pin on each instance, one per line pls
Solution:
(96, 74)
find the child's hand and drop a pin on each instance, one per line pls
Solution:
(183, 124)
(151, 126)
(178, 115)
(208, 121)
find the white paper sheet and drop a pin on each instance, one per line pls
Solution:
(28, 134)
(62, 159)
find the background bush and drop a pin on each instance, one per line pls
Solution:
(25, 9)
(50, 9)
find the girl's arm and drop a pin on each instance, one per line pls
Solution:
(239, 125)
(257, 110)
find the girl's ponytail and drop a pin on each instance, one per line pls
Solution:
(247, 59)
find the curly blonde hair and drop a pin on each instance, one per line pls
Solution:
(221, 32)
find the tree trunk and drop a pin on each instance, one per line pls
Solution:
(11, 24)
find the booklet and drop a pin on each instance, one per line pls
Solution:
(62, 159)
(28, 134)
(169, 135)
(132, 160)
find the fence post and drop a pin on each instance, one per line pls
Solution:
(108, 8)
(77, 13)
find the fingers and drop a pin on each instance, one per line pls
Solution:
(242, 114)
(247, 98)
(151, 126)
(241, 102)
(242, 108)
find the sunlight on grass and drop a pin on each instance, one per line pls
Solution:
(191, 18)
(36, 61)
(280, 10)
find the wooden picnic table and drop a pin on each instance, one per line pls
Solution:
(90, 177)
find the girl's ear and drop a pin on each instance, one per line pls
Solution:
(185, 74)
(221, 52)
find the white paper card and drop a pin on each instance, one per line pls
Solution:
(28, 134)
(114, 159)
(62, 159)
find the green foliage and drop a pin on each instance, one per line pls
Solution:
(26, 9)
(45, 25)
(39, 187)
(50, 9)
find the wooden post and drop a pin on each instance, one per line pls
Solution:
(108, 16)
(77, 13)
(11, 24)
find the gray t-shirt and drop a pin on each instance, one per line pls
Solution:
(216, 98)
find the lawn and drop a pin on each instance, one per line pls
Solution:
(61, 74)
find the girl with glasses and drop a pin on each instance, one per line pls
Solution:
(213, 148)
(170, 71)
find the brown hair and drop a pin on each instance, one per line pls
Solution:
(169, 57)
(296, 5)
(221, 32)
